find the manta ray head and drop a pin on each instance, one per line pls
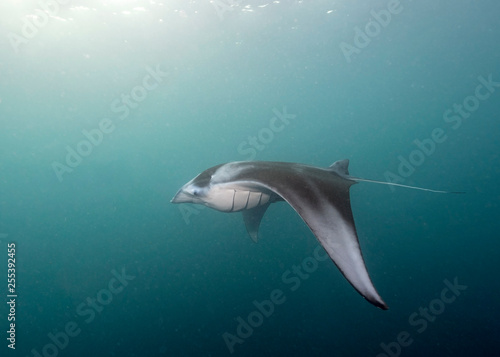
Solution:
(213, 196)
(191, 193)
(198, 190)
(216, 189)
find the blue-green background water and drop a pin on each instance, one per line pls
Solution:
(196, 271)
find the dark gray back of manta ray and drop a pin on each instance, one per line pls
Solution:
(321, 197)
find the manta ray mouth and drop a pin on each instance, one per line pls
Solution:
(182, 197)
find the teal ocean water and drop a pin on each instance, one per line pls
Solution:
(108, 107)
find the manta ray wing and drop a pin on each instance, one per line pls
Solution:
(252, 218)
(321, 198)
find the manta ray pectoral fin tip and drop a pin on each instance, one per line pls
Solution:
(378, 302)
(255, 237)
(252, 218)
(373, 297)
(384, 306)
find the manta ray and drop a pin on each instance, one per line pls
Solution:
(319, 195)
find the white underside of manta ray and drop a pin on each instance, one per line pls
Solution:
(319, 195)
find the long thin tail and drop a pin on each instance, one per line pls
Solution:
(400, 185)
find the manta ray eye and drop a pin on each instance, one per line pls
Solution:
(195, 191)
